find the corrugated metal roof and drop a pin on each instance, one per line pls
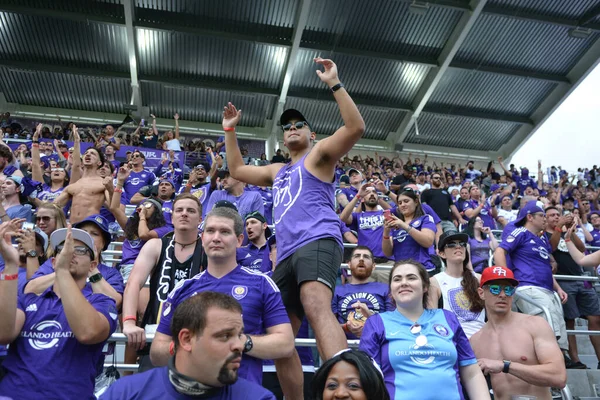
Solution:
(369, 78)
(206, 105)
(324, 117)
(280, 13)
(103, 8)
(181, 55)
(516, 43)
(54, 41)
(65, 91)
(384, 26)
(570, 9)
(461, 132)
(498, 93)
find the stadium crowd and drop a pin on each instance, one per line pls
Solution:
(223, 264)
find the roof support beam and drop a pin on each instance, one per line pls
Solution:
(510, 71)
(530, 16)
(434, 76)
(290, 64)
(578, 73)
(136, 92)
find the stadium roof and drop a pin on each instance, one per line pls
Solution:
(470, 77)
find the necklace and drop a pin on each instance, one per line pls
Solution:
(421, 339)
(184, 245)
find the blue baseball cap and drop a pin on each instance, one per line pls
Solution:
(532, 207)
(494, 187)
(101, 223)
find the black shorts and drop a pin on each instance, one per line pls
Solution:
(316, 261)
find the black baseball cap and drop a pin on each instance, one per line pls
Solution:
(225, 203)
(450, 236)
(291, 114)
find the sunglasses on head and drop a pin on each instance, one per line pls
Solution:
(453, 245)
(297, 125)
(57, 169)
(497, 289)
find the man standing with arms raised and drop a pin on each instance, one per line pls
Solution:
(308, 233)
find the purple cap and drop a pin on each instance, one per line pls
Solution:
(532, 207)
(494, 187)
(102, 223)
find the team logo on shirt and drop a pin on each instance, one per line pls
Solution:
(401, 236)
(416, 224)
(167, 307)
(284, 197)
(441, 330)
(239, 292)
(135, 181)
(542, 251)
(510, 239)
(460, 305)
(45, 334)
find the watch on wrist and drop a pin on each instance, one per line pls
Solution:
(337, 87)
(32, 253)
(506, 366)
(248, 345)
(95, 278)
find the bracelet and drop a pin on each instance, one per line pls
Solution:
(567, 240)
(386, 237)
(7, 277)
(357, 197)
(35, 145)
(337, 87)
(118, 190)
(388, 192)
(409, 229)
(188, 185)
(228, 129)
(345, 327)
(129, 318)
(35, 141)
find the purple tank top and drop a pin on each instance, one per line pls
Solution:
(303, 209)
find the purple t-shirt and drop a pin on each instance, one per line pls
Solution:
(267, 196)
(111, 275)
(131, 248)
(46, 360)
(155, 385)
(529, 257)
(480, 253)
(369, 226)
(523, 181)
(48, 195)
(596, 238)
(247, 202)
(409, 368)
(406, 247)
(303, 209)
(167, 209)
(252, 257)
(257, 293)
(202, 193)
(375, 295)
(135, 182)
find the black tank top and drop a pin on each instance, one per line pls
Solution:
(168, 272)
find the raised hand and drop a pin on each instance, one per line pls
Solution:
(176, 116)
(38, 132)
(123, 173)
(108, 183)
(8, 229)
(63, 259)
(330, 74)
(231, 116)
(153, 116)
(75, 131)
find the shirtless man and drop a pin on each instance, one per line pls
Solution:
(88, 193)
(518, 351)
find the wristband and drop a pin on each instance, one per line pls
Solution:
(35, 145)
(228, 129)
(557, 229)
(35, 141)
(337, 87)
(388, 193)
(506, 366)
(567, 240)
(117, 190)
(357, 197)
(386, 237)
(8, 277)
(409, 229)
(129, 318)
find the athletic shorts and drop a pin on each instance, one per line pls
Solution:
(316, 261)
(581, 302)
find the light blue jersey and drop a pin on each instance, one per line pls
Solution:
(426, 372)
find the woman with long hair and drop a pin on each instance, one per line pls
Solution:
(409, 232)
(53, 186)
(349, 374)
(455, 289)
(50, 217)
(506, 214)
(481, 241)
(423, 353)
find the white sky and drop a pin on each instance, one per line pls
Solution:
(570, 136)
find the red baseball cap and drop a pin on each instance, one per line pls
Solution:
(497, 273)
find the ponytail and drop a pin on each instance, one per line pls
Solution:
(470, 285)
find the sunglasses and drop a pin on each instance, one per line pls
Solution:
(297, 125)
(136, 155)
(57, 169)
(78, 250)
(44, 219)
(453, 245)
(497, 289)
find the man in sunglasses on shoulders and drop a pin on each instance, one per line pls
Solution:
(517, 351)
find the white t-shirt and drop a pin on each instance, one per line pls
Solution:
(508, 215)
(173, 144)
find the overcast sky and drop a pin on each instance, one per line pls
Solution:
(569, 137)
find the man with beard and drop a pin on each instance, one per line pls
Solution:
(88, 193)
(246, 201)
(267, 330)
(471, 173)
(208, 340)
(440, 201)
(356, 301)
(253, 253)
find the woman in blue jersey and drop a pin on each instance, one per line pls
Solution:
(424, 354)
(409, 233)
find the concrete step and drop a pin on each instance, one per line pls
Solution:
(584, 383)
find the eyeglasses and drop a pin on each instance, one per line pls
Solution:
(297, 125)
(78, 250)
(45, 218)
(136, 155)
(497, 289)
(453, 245)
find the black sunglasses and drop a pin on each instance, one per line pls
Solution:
(297, 125)
(453, 245)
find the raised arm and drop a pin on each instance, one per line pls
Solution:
(115, 202)
(76, 157)
(176, 116)
(506, 172)
(36, 169)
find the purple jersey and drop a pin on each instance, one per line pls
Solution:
(252, 257)
(167, 209)
(110, 275)
(523, 181)
(304, 209)
(134, 183)
(247, 202)
(413, 371)
(155, 385)
(131, 248)
(369, 226)
(202, 193)
(406, 247)
(480, 253)
(257, 293)
(529, 257)
(596, 238)
(46, 360)
(267, 196)
(48, 195)
(375, 295)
